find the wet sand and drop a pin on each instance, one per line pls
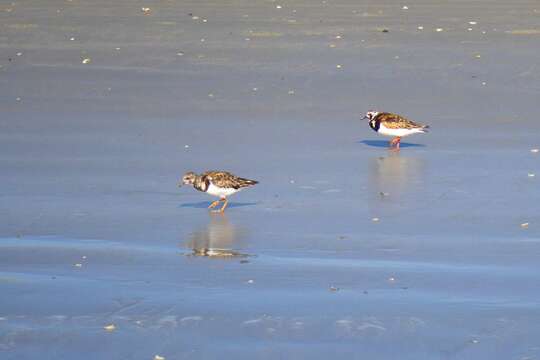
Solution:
(344, 249)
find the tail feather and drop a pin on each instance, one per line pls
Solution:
(246, 182)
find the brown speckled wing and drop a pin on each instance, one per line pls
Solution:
(394, 121)
(224, 179)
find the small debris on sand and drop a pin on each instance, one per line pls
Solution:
(78, 265)
(86, 61)
(338, 66)
(420, 28)
(375, 219)
(531, 175)
(250, 281)
(405, 7)
(391, 279)
(535, 150)
(472, 22)
(145, 10)
(333, 288)
(110, 327)
(290, 92)
(157, 357)
(525, 225)
(385, 30)
(439, 29)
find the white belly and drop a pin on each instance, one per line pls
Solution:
(221, 192)
(383, 130)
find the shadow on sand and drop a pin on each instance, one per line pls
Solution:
(205, 204)
(384, 144)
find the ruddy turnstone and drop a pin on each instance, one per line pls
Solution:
(393, 125)
(217, 183)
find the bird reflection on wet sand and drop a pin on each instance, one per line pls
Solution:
(394, 178)
(217, 239)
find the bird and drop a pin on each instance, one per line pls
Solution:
(389, 124)
(217, 183)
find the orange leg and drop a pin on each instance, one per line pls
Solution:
(214, 204)
(395, 142)
(224, 205)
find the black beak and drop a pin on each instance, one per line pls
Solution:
(365, 117)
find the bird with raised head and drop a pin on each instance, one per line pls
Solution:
(395, 125)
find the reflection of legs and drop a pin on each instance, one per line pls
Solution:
(214, 204)
(224, 205)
